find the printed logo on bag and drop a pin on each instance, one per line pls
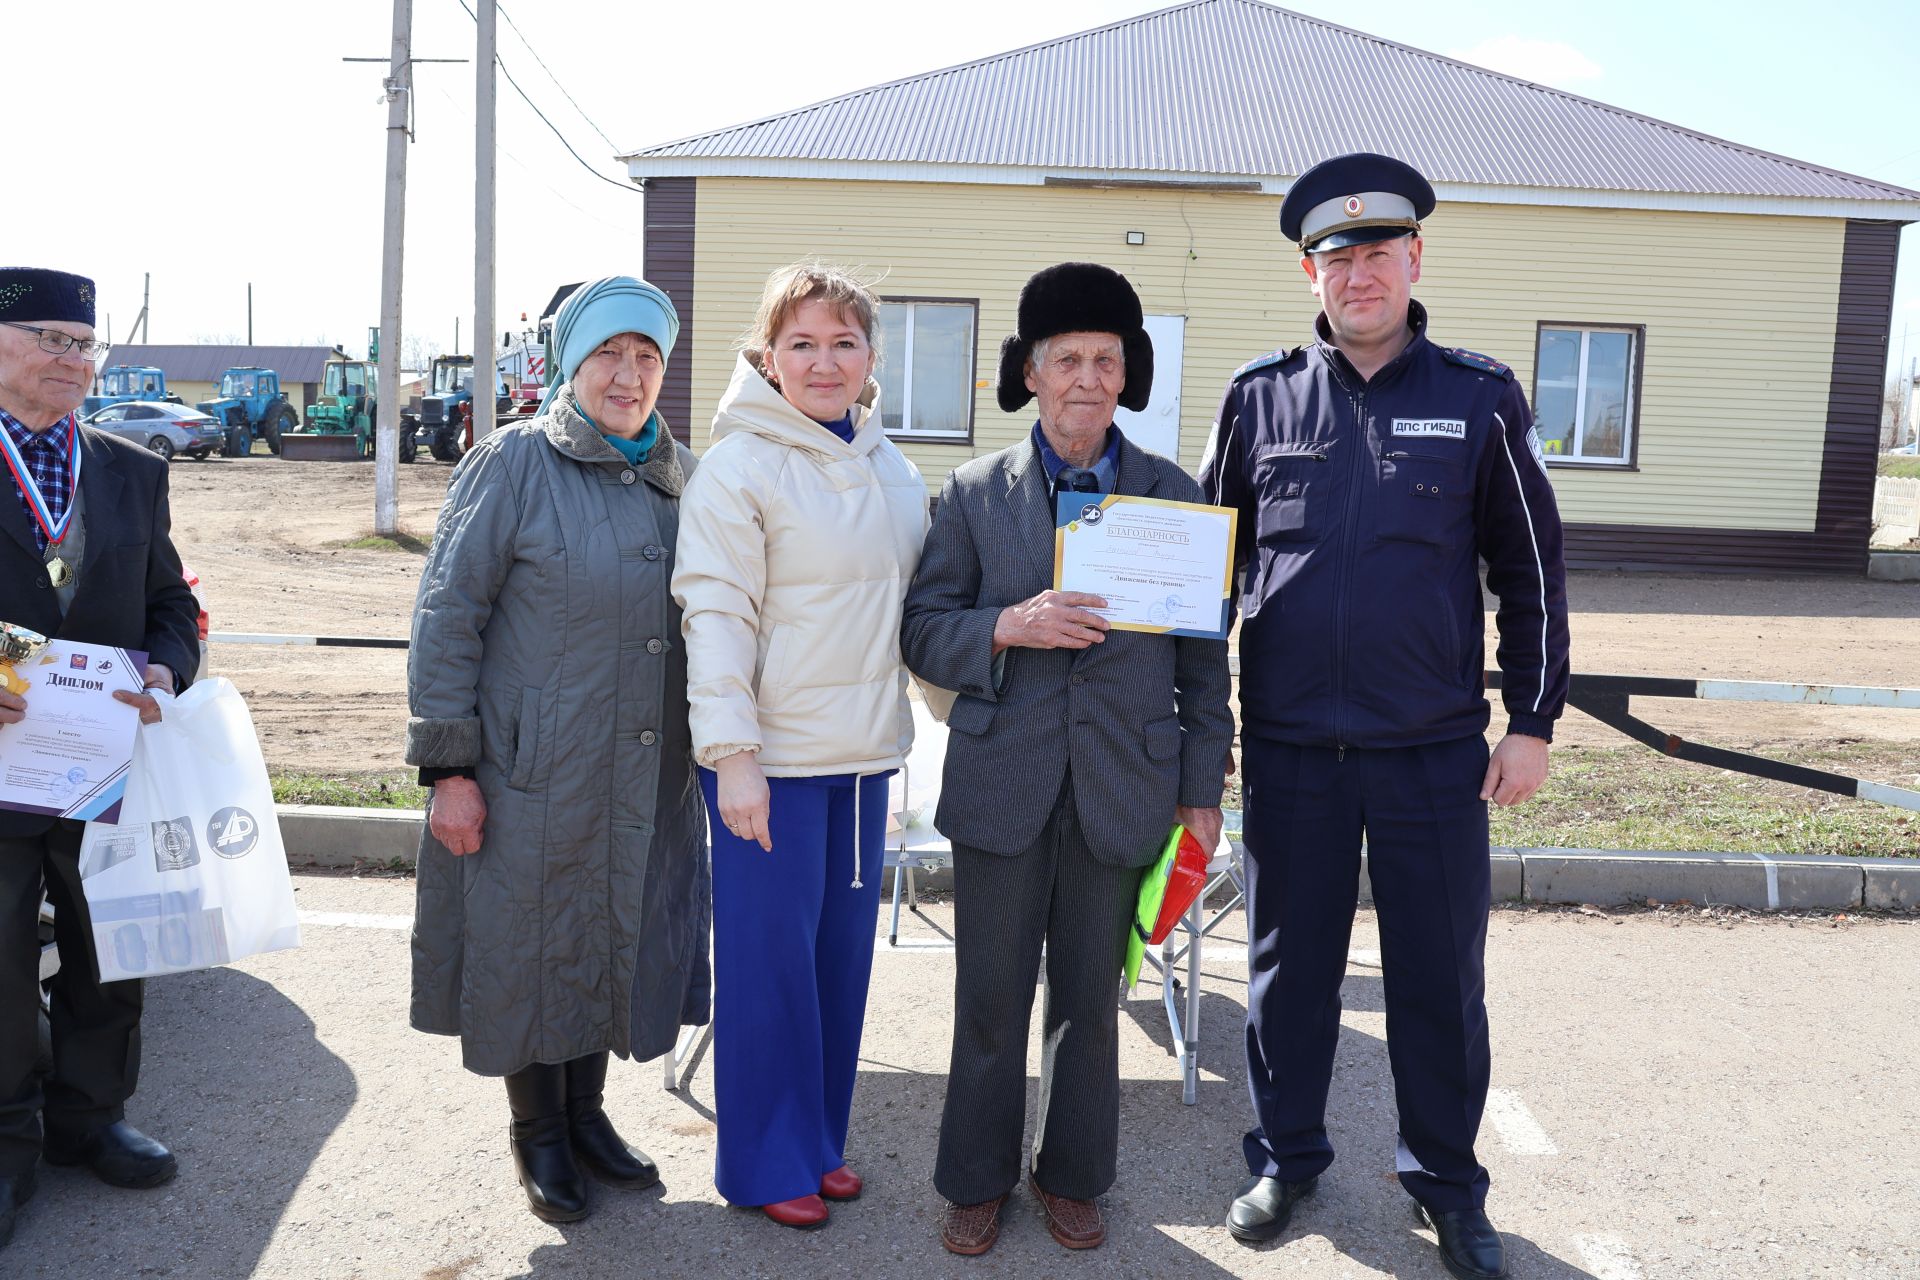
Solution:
(107, 853)
(173, 846)
(77, 661)
(232, 832)
(1443, 428)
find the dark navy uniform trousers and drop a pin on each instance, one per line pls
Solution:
(1419, 808)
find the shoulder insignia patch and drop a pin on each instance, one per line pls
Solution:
(1266, 361)
(1474, 360)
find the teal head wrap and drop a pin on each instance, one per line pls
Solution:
(601, 309)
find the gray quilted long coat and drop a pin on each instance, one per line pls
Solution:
(546, 653)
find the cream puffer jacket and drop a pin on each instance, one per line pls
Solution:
(794, 556)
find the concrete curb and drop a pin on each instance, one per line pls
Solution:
(1893, 566)
(329, 836)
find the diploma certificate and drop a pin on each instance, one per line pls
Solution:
(1162, 567)
(69, 757)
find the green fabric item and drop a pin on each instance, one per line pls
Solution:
(635, 451)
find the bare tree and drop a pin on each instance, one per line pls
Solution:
(417, 351)
(1892, 427)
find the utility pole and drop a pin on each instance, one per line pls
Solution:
(139, 331)
(456, 335)
(484, 335)
(386, 424)
(249, 313)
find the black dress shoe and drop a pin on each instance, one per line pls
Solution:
(1261, 1210)
(15, 1190)
(542, 1156)
(119, 1155)
(1470, 1248)
(596, 1144)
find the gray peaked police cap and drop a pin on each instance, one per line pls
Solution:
(1355, 199)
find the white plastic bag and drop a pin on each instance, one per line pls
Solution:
(194, 873)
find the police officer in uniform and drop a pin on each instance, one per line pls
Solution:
(1375, 471)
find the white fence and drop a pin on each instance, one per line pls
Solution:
(1896, 511)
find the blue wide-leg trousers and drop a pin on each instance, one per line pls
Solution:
(792, 953)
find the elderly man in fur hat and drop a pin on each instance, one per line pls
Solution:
(1073, 751)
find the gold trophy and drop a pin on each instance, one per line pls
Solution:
(17, 647)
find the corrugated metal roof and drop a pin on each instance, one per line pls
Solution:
(205, 363)
(1236, 87)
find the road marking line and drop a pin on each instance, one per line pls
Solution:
(1608, 1258)
(1516, 1125)
(354, 920)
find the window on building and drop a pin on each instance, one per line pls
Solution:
(927, 359)
(1586, 392)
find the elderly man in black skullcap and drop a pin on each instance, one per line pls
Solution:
(84, 555)
(1073, 751)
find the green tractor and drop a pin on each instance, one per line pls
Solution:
(340, 425)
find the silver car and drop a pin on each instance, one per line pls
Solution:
(166, 429)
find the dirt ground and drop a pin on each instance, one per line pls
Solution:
(267, 539)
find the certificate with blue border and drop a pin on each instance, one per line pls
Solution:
(69, 757)
(1164, 568)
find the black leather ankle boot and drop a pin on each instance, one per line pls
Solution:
(594, 1140)
(542, 1157)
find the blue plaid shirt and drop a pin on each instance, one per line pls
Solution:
(1105, 468)
(45, 453)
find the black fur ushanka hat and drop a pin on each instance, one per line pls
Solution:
(1077, 297)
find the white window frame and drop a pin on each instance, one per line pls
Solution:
(1628, 459)
(907, 431)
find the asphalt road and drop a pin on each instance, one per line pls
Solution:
(1673, 1098)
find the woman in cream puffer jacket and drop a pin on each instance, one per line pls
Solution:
(799, 535)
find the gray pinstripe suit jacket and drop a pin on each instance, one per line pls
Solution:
(1142, 719)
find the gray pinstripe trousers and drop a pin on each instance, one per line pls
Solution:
(1005, 906)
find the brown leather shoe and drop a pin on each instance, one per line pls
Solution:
(1077, 1224)
(971, 1229)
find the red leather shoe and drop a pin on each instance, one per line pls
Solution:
(806, 1213)
(842, 1184)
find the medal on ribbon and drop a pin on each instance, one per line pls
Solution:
(59, 572)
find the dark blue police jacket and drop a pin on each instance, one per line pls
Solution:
(1365, 509)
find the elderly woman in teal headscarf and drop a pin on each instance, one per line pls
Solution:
(563, 886)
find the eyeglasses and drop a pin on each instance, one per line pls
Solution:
(56, 343)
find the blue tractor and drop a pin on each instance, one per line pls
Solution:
(125, 382)
(251, 405)
(442, 419)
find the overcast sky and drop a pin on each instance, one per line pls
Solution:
(217, 142)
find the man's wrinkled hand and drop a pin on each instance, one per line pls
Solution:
(1203, 824)
(1051, 620)
(158, 676)
(1516, 771)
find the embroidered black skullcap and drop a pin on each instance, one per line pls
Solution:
(34, 293)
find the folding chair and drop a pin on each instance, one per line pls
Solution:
(1225, 868)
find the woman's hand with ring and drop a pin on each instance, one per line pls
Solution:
(457, 815)
(745, 802)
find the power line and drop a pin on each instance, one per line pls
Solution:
(502, 64)
(556, 79)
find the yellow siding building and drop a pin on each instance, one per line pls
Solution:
(1714, 317)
